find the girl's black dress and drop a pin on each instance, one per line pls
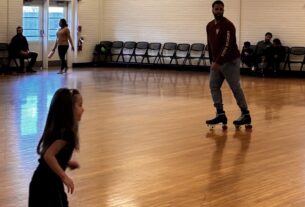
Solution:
(46, 187)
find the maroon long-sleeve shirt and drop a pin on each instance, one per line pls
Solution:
(222, 41)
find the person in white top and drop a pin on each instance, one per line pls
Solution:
(62, 41)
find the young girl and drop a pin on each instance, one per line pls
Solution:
(58, 141)
(62, 41)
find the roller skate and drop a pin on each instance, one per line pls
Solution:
(219, 119)
(244, 119)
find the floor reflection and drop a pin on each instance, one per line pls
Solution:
(225, 176)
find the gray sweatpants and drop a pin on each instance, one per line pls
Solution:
(231, 72)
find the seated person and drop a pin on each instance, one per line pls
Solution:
(260, 51)
(19, 48)
(247, 54)
(275, 54)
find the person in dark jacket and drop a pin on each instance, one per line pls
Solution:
(247, 54)
(225, 64)
(275, 55)
(19, 48)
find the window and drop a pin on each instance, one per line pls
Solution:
(31, 22)
(55, 14)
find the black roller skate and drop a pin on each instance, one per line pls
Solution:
(219, 119)
(244, 119)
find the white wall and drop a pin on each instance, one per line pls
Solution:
(89, 17)
(185, 21)
(171, 20)
(284, 18)
(11, 17)
(3, 21)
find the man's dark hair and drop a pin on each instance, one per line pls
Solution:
(217, 2)
(19, 27)
(268, 33)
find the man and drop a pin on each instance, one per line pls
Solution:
(19, 48)
(225, 64)
(260, 51)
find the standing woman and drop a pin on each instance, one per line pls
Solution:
(62, 41)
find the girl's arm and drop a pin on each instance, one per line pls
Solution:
(49, 157)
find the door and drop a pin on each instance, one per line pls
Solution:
(34, 18)
(57, 11)
(33, 27)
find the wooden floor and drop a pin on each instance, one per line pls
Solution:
(144, 144)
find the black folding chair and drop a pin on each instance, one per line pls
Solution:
(128, 51)
(4, 55)
(196, 53)
(116, 50)
(168, 52)
(296, 55)
(153, 52)
(140, 51)
(182, 52)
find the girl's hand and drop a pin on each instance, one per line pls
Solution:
(69, 183)
(73, 165)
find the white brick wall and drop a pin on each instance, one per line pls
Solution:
(156, 20)
(285, 19)
(3, 20)
(11, 17)
(89, 18)
(184, 21)
(172, 20)
(14, 17)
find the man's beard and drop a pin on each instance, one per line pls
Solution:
(218, 17)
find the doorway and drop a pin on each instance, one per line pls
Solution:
(35, 16)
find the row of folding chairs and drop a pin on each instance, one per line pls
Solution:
(153, 53)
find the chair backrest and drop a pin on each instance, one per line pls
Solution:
(3, 49)
(197, 47)
(3, 46)
(117, 44)
(154, 48)
(141, 48)
(169, 49)
(182, 50)
(116, 47)
(129, 47)
(197, 50)
(142, 45)
(297, 51)
(106, 44)
(183, 47)
(103, 48)
(296, 54)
